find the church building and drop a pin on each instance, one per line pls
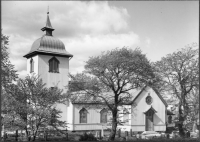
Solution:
(49, 59)
(146, 112)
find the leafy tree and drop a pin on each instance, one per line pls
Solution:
(193, 103)
(8, 74)
(179, 73)
(109, 78)
(34, 105)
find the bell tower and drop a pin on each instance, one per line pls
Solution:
(49, 59)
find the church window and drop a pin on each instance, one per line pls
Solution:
(31, 65)
(54, 65)
(83, 115)
(149, 100)
(125, 116)
(103, 115)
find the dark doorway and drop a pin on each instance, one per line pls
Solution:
(149, 120)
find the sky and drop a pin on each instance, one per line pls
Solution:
(88, 28)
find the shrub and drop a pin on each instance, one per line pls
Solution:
(167, 140)
(87, 137)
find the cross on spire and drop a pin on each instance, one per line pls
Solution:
(48, 28)
(48, 10)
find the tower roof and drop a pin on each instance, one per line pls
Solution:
(48, 44)
(48, 25)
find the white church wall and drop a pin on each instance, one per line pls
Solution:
(140, 106)
(70, 116)
(91, 126)
(93, 118)
(159, 128)
(53, 79)
(93, 115)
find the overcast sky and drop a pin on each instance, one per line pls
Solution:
(88, 28)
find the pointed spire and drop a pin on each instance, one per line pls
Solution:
(48, 10)
(48, 28)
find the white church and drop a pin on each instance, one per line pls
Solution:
(49, 59)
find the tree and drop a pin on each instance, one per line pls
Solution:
(193, 104)
(8, 73)
(108, 79)
(180, 75)
(34, 105)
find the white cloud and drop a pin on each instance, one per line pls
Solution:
(88, 46)
(91, 18)
(86, 28)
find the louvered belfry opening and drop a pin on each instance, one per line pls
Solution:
(54, 65)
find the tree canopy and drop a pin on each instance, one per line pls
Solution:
(33, 106)
(179, 75)
(8, 73)
(110, 77)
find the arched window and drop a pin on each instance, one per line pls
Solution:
(170, 119)
(125, 116)
(54, 65)
(103, 116)
(31, 65)
(83, 115)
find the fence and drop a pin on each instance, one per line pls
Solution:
(17, 136)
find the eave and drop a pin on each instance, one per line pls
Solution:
(31, 54)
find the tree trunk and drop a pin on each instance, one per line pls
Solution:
(35, 133)
(114, 125)
(27, 134)
(181, 119)
(34, 136)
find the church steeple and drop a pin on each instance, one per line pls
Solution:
(48, 28)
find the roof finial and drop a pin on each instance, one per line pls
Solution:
(48, 10)
(48, 28)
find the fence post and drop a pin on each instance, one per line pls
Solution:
(100, 134)
(46, 135)
(126, 135)
(16, 135)
(4, 136)
(67, 136)
(131, 133)
(119, 133)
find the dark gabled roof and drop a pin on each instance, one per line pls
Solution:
(161, 98)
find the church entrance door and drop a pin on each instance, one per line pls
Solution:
(149, 120)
